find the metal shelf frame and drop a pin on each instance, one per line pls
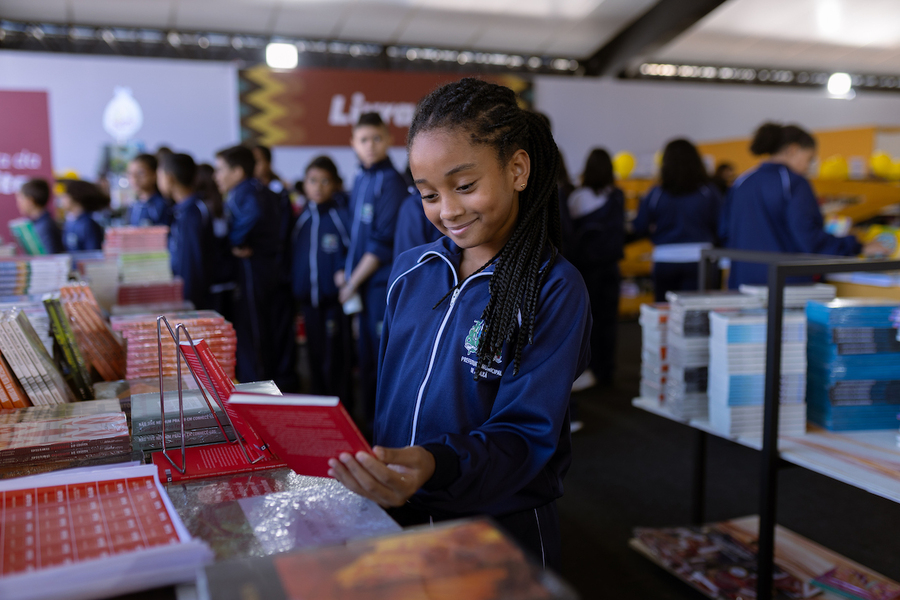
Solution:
(780, 268)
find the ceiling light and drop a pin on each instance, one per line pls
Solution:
(839, 84)
(282, 56)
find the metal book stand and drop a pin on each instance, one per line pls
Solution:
(176, 337)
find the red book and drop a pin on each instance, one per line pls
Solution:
(209, 461)
(224, 386)
(304, 431)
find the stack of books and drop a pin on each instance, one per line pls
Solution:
(21, 275)
(101, 348)
(30, 363)
(654, 362)
(46, 438)
(854, 364)
(795, 296)
(67, 353)
(140, 334)
(688, 347)
(121, 535)
(142, 253)
(33, 308)
(151, 293)
(101, 273)
(737, 370)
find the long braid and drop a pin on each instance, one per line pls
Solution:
(490, 115)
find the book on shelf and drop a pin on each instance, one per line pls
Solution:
(304, 431)
(461, 559)
(150, 442)
(67, 353)
(27, 237)
(101, 348)
(121, 535)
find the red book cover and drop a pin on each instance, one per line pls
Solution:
(304, 431)
(213, 460)
(224, 387)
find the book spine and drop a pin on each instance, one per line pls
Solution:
(154, 425)
(192, 437)
(5, 399)
(28, 353)
(17, 362)
(8, 379)
(63, 451)
(71, 354)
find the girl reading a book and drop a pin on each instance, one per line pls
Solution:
(485, 329)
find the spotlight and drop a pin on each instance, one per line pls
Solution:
(839, 84)
(282, 56)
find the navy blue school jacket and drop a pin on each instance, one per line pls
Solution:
(377, 193)
(48, 232)
(773, 209)
(684, 219)
(501, 444)
(155, 211)
(597, 227)
(192, 248)
(254, 218)
(413, 227)
(82, 233)
(320, 240)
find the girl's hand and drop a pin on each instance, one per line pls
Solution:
(339, 279)
(389, 478)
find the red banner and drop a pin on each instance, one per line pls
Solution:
(318, 107)
(24, 147)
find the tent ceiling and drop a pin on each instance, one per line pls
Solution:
(859, 36)
(553, 27)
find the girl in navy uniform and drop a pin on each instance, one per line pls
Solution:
(32, 200)
(597, 212)
(681, 217)
(773, 207)
(191, 240)
(485, 329)
(320, 241)
(80, 201)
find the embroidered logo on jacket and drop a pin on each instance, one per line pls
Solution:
(367, 213)
(474, 337)
(330, 243)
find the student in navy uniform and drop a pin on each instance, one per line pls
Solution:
(597, 211)
(320, 240)
(413, 227)
(79, 202)
(485, 331)
(224, 263)
(149, 207)
(282, 302)
(377, 193)
(773, 207)
(681, 217)
(191, 240)
(253, 219)
(31, 200)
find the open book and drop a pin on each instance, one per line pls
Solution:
(304, 431)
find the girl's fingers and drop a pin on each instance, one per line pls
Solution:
(374, 488)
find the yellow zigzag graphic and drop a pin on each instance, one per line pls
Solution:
(264, 122)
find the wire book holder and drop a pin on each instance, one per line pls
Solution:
(179, 351)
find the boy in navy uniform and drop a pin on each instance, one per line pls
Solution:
(79, 201)
(191, 240)
(377, 193)
(149, 208)
(31, 200)
(253, 219)
(413, 227)
(320, 241)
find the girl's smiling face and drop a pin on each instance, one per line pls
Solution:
(466, 193)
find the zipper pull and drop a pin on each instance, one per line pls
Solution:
(454, 296)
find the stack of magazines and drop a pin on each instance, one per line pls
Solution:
(30, 363)
(140, 333)
(654, 362)
(854, 364)
(795, 296)
(737, 369)
(21, 275)
(688, 347)
(142, 253)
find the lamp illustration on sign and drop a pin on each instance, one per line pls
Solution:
(123, 116)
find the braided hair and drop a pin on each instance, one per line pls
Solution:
(490, 115)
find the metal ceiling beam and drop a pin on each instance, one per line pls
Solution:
(665, 21)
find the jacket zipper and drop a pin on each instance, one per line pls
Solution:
(314, 258)
(434, 349)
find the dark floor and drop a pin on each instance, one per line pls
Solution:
(632, 468)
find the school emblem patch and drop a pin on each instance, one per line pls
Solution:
(330, 243)
(367, 213)
(474, 337)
